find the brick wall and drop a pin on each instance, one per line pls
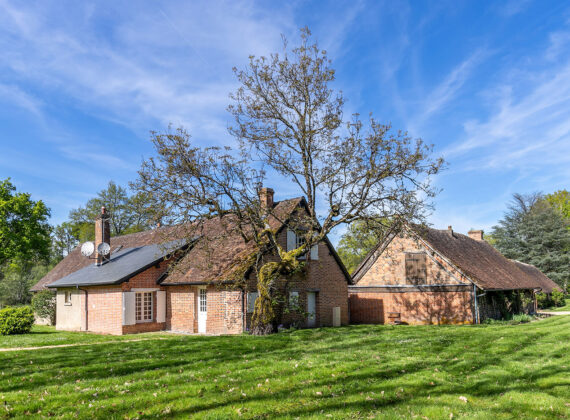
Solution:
(181, 308)
(322, 276)
(415, 305)
(449, 307)
(389, 268)
(105, 309)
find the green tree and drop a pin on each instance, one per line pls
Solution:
(24, 228)
(64, 239)
(129, 214)
(560, 200)
(534, 232)
(359, 239)
(288, 119)
(17, 279)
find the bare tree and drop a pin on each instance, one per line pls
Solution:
(290, 121)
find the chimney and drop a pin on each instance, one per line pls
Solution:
(450, 231)
(102, 234)
(266, 198)
(476, 234)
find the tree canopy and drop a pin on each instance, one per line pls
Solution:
(24, 228)
(534, 231)
(289, 121)
(359, 239)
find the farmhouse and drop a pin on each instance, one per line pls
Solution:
(420, 275)
(161, 280)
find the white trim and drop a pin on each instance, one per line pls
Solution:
(148, 289)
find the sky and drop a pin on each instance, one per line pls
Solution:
(83, 84)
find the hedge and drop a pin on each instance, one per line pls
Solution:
(16, 320)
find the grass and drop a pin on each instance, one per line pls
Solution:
(487, 371)
(561, 308)
(42, 335)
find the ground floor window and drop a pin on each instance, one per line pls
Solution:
(68, 297)
(143, 306)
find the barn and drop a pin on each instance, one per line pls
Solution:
(421, 275)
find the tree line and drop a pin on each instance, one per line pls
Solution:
(30, 246)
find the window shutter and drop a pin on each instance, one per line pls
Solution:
(129, 308)
(291, 240)
(315, 252)
(161, 306)
(251, 296)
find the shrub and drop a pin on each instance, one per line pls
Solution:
(558, 298)
(543, 300)
(43, 305)
(16, 320)
(521, 319)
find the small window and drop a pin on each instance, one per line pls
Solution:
(68, 297)
(293, 300)
(143, 306)
(251, 297)
(416, 272)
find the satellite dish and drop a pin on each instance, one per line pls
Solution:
(103, 248)
(87, 249)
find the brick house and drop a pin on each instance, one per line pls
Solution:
(157, 280)
(421, 275)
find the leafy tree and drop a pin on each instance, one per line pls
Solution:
(534, 232)
(289, 120)
(17, 279)
(129, 214)
(359, 239)
(560, 200)
(24, 228)
(43, 305)
(64, 239)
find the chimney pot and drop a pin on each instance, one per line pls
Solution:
(266, 198)
(476, 235)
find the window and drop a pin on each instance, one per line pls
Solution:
(68, 297)
(202, 301)
(143, 306)
(251, 296)
(416, 272)
(293, 300)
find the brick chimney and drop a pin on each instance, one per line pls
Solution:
(266, 198)
(450, 231)
(476, 234)
(102, 234)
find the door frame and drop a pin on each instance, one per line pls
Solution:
(312, 316)
(202, 315)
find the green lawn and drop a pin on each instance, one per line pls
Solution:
(485, 372)
(561, 308)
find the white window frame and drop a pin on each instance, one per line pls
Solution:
(145, 314)
(67, 297)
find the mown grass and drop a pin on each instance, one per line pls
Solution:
(42, 335)
(487, 371)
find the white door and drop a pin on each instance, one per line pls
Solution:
(311, 309)
(202, 309)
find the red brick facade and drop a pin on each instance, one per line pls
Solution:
(226, 307)
(383, 291)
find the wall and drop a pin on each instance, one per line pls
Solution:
(181, 308)
(389, 268)
(446, 297)
(414, 307)
(323, 276)
(69, 317)
(105, 314)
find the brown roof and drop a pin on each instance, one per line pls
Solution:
(209, 260)
(479, 261)
(547, 285)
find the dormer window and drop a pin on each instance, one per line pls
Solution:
(295, 241)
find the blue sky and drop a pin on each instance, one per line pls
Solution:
(488, 83)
